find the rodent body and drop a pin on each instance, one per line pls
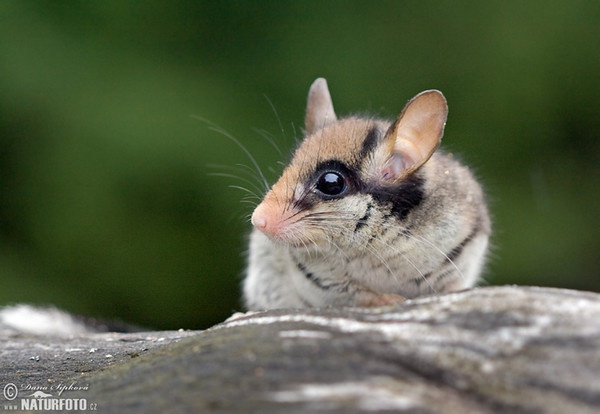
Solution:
(367, 213)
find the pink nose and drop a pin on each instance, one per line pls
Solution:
(259, 219)
(263, 220)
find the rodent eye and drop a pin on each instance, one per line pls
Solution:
(331, 183)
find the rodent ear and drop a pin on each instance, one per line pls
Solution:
(319, 108)
(416, 134)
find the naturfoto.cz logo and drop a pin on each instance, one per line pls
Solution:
(44, 398)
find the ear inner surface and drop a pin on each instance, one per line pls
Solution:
(319, 108)
(416, 134)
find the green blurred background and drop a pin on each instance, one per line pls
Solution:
(108, 206)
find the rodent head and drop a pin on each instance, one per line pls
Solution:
(320, 197)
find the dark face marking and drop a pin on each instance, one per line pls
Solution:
(318, 190)
(334, 179)
(362, 222)
(403, 198)
(455, 252)
(342, 285)
(312, 277)
(370, 142)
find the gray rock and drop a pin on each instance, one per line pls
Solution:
(495, 349)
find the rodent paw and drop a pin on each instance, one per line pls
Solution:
(384, 299)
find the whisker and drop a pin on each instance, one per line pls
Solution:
(340, 220)
(334, 244)
(423, 240)
(249, 170)
(414, 266)
(319, 217)
(249, 155)
(228, 135)
(296, 139)
(251, 203)
(383, 261)
(227, 175)
(270, 139)
(276, 116)
(239, 187)
(239, 169)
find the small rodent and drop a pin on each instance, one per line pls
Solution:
(367, 213)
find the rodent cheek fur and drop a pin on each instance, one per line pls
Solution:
(331, 224)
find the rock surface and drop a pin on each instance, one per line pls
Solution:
(495, 349)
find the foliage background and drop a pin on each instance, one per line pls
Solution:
(107, 205)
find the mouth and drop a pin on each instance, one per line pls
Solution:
(289, 239)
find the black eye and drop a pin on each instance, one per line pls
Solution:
(331, 183)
